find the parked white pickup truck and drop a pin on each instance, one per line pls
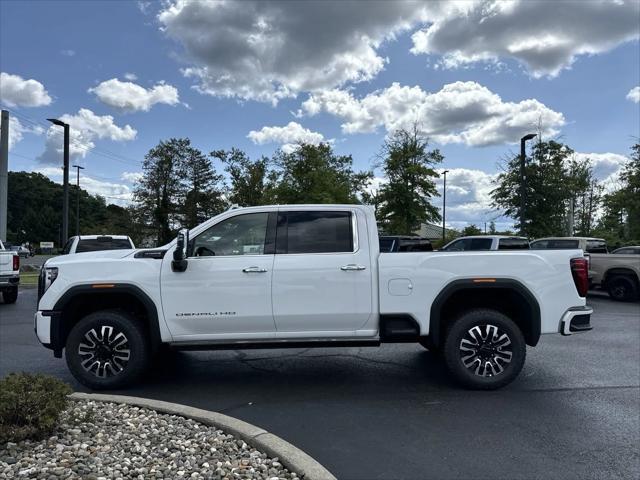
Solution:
(9, 274)
(304, 275)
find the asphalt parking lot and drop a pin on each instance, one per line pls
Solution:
(392, 412)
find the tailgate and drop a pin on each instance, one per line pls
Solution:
(6, 258)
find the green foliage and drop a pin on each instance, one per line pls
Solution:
(470, 230)
(554, 180)
(620, 221)
(30, 406)
(405, 200)
(250, 180)
(201, 189)
(314, 174)
(35, 211)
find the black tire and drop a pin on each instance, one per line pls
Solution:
(485, 367)
(622, 288)
(115, 368)
(10, 296)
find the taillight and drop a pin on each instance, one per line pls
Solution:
(16, 262)
(580, 273)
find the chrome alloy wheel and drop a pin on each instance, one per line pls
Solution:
(105, 353)
(486, 350)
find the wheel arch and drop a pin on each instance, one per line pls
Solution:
(82, 300)
(623, 271)
(504, 295)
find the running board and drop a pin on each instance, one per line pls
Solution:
(271, 344)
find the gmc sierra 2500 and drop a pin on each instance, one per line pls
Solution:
(305, 275)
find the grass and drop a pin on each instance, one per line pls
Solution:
(29, 279)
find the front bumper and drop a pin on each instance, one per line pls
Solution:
(576, 320)
(48, 328)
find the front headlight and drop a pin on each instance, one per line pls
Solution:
(47, 277)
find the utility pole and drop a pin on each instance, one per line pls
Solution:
(444, 204)
(78, 168)
(4, 174)
(523, 182)
(65, 179)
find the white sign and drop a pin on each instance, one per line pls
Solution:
(46, 244)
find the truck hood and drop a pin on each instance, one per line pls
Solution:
(88, 256)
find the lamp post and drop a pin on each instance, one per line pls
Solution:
(444, 203)
(65, 179)
(78, 168)
(523, 182)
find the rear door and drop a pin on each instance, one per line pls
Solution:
(322, 279)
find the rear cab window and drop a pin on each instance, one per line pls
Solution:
(315, 232)
(596, 246)
(559, 244)
(102, 243)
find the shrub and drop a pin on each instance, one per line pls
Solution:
(30, 406)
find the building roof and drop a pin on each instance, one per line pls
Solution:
(433, 231)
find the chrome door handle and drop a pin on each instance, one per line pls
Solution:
(352, 266)
(254, 270)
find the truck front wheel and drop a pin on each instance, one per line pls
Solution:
(107, 350)
(484, 349)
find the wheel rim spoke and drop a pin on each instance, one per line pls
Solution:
(486, 350)
(104, 351)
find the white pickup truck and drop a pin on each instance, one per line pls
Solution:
(304, 275)
(9, 274)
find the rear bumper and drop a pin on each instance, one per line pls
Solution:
(576, 320)
(9, 281)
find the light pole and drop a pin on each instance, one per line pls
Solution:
(444, 203)
(65, 179)
(78, 168)
(523, 182)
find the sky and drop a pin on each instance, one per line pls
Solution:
(473, 75)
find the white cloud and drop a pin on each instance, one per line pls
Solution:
(634, 95)
(17, 130)
(130, 97)
(288, 136)
(132, 77)
(545, 37)
(461, 112)
(268, 51)
(117, 193)
(15, 91)
(131, 177)
(468, 196)
(86, 127)
(68, 53)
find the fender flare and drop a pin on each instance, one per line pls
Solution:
(59, 329)
(468, 284)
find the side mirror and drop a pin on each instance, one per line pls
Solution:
(179, 263)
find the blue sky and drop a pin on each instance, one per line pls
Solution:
(214, 72)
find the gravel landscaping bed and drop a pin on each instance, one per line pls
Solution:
(99, 440)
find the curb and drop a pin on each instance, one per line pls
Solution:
(290, 456)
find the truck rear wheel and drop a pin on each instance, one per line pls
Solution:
(484, 349)
(10, 295)
(622, 288)
(107, 350)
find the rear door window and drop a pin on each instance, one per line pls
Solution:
(513, 244)
(480, 244)
(457, 246)
(316, 232)
(559, 244)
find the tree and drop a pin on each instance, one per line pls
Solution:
(250, 181)
(470, 229)
(555, 179)
(201, 188)
(158, 192)
(620, 220)
(314, 174)
(409, 167)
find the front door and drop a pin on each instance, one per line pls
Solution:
(322, 279)
(225, 291)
